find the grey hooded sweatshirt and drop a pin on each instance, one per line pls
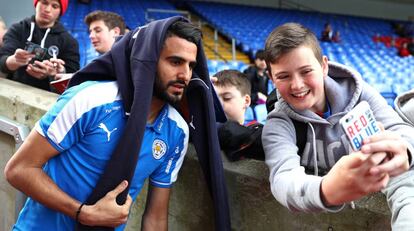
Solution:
(325, 140)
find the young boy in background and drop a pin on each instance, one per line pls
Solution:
(233, 89)
(238, 139)
(318, 94)
(104, 27)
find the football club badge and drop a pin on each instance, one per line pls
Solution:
(159, 148)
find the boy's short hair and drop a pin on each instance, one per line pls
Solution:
(234, 78)
(185, 30)
(110, 19)
(287, 37)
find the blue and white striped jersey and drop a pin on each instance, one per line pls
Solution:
(85, 126)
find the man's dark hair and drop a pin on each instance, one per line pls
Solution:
(185, 30)
(287, 37)
(260, 54)
(234, 78)
(110, 19)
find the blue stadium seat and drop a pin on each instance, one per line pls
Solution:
(248, 115)
(260, 112)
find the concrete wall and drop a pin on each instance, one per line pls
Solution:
(252, 204)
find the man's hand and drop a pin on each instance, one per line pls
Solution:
(19, 58)
(106, 212)
(395, 147)
(350, 178)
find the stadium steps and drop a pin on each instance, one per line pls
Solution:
(223, 46)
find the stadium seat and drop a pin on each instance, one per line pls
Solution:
(260, 112)
(248, 115)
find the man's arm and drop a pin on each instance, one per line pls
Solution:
(155, 216)
(24, 172)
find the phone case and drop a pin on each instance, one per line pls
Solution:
(358, 124)
(40, 53)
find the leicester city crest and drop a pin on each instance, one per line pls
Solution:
(159, 148)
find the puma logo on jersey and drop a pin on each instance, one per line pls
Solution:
(108, 133)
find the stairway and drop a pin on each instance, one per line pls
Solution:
(223, 47)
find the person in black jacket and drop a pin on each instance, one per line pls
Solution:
(37, 48)
(259, 79)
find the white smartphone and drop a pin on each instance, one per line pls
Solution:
(358, 124)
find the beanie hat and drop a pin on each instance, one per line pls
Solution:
(63, 5)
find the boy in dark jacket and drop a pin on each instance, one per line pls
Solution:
(238, 139)
(37, 48)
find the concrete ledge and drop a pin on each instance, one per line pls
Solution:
(252, 204)
(253, 207)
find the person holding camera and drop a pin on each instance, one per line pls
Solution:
(39, 47)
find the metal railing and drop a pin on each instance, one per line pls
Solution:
(153, 10)
(19, 133)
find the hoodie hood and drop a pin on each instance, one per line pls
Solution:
(135, 54)
(340, 82)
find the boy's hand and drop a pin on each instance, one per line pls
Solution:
(57, 64)
(46, 68)
(19, 58)
(39, 70)
(395, 147)
(350, 179)
(106, 212)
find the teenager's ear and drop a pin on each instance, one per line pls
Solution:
(325, 66)
(117, 31)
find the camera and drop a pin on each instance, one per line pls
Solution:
(40, 52)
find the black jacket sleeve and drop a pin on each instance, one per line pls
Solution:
(11, 41)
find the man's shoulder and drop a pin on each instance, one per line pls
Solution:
(175, 116)
(94, 91)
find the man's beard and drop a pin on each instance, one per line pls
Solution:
(160, 91)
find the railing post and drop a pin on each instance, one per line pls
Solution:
(19, 133)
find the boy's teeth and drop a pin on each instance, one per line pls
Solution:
(301, 94)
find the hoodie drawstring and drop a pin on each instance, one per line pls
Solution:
(32, 27)
(315, 155)
(315, 158)
(42, 44)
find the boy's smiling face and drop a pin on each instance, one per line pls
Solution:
(299, 78)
